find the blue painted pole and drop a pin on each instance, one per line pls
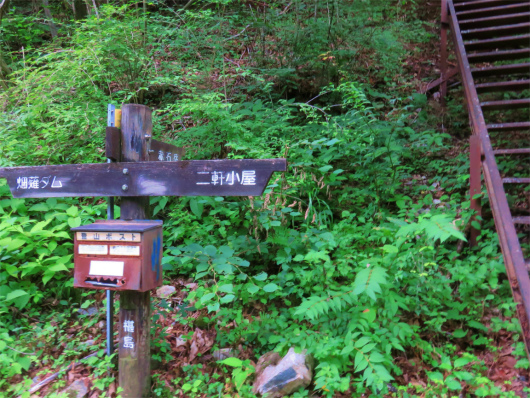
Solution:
(110, 216)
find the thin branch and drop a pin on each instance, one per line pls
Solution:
(20, 352)
(51, 378)
(286, 8)
(239, 34)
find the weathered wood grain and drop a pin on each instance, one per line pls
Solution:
(161, 151)
(135, 362)
(113, 143)
(183, 178)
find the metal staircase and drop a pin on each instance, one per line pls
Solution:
(491, 40)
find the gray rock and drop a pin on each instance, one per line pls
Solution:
(89, 311)
(270, 358)
(77, 389)
(192, 286)
(165, 291)
(292, 372)
(224, 353)
(436, 201)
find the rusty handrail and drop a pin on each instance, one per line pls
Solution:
(513, 256)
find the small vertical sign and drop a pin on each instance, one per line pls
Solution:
(129, 335)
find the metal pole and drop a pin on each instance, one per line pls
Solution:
(110, 216)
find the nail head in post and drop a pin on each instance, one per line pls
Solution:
(125, 172)
(124, 187)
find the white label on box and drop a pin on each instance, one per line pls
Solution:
(125, 250)
(109, 236)
(106, 268)
(93, 249)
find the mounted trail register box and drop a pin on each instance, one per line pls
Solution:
(118, 255)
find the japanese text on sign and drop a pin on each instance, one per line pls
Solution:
(128, 327)
(36, 182)
(109, 236)
(248, 177)
(168, 156)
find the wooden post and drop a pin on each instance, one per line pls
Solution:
(475, 186)
(135, 307)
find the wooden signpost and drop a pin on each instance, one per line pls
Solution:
(143, 167)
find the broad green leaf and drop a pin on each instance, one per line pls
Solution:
(460, 362)
(252, 289)
(437, 377)
(16, 294)
(224, 268)
(227, 299)
(390, 249)
(207, 297)
(459, 333)
(74, 222)
(261, 276)
(196, 207)
(72, 211)
(271, 287)
(229, 288)
(362, 341)
(57, 268)
(39, 207)
(232, 361)
(453, 384)
(210, 250)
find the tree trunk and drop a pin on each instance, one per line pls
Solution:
(95, 8)
(4, 69)
(47, 12)
(80, 10)
(4, 6)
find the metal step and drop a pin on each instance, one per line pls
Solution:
(517, 126)
(514, 85)
(496, 31)
(473, 5)
(493, 11)
(491, 56)
(523, 68)
(511, 151)
(515, 180)
(506, 104)
(498, 43)
(496, 20)
(521, 220)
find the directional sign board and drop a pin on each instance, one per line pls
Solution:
(165, 152)
(158, 150)
(227, 177)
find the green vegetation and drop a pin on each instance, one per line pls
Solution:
(357, 253)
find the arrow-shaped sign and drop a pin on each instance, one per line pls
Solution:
(227, 177)
(165, 152)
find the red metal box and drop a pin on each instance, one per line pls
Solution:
(118, 255)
